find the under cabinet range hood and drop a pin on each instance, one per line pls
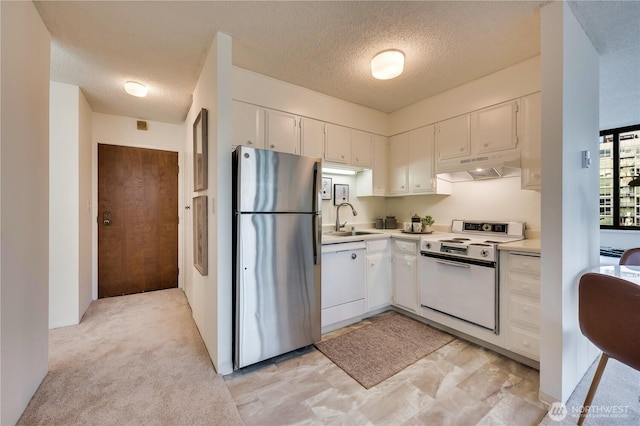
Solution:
(481, 167)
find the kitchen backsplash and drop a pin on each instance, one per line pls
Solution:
(493, 199)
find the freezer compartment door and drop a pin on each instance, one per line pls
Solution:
(277, 289)
(269, 181)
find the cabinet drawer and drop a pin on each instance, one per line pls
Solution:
(525, 343)
(526, 312)
(405, 246)
(377, 245)
(525, 283)
(520, 262)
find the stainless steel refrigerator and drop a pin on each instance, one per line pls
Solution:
(277, 228)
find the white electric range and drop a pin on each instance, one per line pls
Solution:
(459, 270)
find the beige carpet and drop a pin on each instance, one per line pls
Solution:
(133, 360)
(377, 351)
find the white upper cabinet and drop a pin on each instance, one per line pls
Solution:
(338, 144)
(312, 137)
(374, 181)
(452, 138)
(529, 131)
(398, 165)
(420, 157)
(494, 128)
(361, 148)
(282, 132)
(247, 125)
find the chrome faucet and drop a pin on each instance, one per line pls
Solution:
(338, 225)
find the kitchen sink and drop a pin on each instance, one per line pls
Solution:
(349, 233)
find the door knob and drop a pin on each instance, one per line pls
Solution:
(106, 218)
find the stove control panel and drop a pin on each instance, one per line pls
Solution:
(499, 228)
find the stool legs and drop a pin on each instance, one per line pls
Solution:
(592, 389)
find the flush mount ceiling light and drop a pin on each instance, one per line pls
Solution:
(388, 64)
(135, 89)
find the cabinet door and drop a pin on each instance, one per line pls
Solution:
(529, 129)
(421, 171)
(361, 149)
(494, 128)
(404, 281)
(247, 125)
(312, 137)
(338, 144)
(380, 157)
(282, 132)
(452, 138)
(378, 280)
(398, 167)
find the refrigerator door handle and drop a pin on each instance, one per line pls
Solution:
(317, 217)
(317, 238)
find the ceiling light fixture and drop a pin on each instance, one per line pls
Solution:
(135, 89)
(388, 64)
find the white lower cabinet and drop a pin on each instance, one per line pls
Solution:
(522, 286)
(405, 274)
(378, 275)
(343, 282)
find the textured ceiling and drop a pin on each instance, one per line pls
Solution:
(321, 45)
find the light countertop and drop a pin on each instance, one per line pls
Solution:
(528, 246)
(376, 234)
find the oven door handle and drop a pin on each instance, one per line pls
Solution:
(456, 264)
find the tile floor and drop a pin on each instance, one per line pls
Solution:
(459, 384)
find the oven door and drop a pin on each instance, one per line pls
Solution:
(462, 288)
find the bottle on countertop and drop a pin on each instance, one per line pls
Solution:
(415, 218)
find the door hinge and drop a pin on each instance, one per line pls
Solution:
(178, 169)
(178, 219)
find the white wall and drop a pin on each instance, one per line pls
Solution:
(117, 130)
(70, 224)
(275, 94)
(368, 208)
(210, 296)
(24, 206)
(493, 199)
(570, 221)
(85, 210)
(63, 205)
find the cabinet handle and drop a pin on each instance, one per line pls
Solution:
(417, 185)
(357, 159)
(272, 146)
(402, 187)
(461, 148)
(250, 142)
(486, 145)
(353, 255)
(342, 156)
(525, 343)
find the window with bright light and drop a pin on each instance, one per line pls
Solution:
(619, 165)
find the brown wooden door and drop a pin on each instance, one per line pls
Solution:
(137, 220)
